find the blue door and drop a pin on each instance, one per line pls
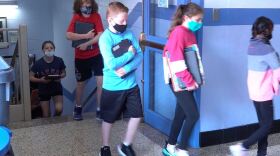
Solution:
(159, 101)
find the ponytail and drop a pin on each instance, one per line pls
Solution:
(190, 10)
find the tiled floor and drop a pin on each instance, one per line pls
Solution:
(64, 137)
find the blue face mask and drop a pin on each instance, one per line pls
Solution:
(194, 26)
(86, 10)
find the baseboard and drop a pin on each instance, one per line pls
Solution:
(232, 134)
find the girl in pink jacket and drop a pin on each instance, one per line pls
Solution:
(181, 40)
(263, 83)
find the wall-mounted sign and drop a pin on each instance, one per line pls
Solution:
(163, 3)
(3, 34)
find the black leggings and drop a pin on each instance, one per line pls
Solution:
(186, 110)
(265, 116)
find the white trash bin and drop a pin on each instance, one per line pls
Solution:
(7, 76)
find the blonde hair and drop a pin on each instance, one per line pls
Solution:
(115, 8)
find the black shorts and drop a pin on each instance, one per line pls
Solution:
(85, 67)
(47, 96)
(114, 103)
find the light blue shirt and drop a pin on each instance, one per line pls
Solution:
(111, 81)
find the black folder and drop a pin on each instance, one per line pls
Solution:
(53, 77)
(192, 63)
(82, 28)
(121, 48)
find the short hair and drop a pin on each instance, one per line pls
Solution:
(47, 42)
(116, 8)
(78, 3)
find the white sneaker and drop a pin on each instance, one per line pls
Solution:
(238, 150)
(171, 148)
(180, 152)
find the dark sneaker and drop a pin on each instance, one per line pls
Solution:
(98, 115)
(77, 114)
(105, 151)
(126, 150)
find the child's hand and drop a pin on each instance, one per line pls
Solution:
(83, 46)
(44, 80)
(193, 87)
(90, 34)
(58, 80)
(120, 72)
(132, 49)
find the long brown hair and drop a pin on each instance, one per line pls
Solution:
(78, 3)
(190, 9)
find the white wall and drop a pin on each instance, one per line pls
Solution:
(37, 15)
(224, 98)
(225, 64)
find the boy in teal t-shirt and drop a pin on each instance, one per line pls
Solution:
(120, 92)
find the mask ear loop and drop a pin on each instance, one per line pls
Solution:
(112, 21)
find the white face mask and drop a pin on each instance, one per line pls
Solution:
(49, 53)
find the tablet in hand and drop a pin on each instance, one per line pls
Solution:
(53, 77)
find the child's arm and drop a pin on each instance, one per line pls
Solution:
(35, 70)
(62, 70)
(99, 29)
(94, 40)
(272, 59)
(74, 36)
(110, 61)
(70, 35)
(63, 73)
(177, 61)
(37, 80)
(137, 59)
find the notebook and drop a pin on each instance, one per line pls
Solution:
(192, 65)
(82, 28)
(121, 48)
(53, 77)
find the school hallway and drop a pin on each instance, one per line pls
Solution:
(61, 136)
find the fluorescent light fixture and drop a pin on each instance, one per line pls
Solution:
(8, 7)
(8, 2)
